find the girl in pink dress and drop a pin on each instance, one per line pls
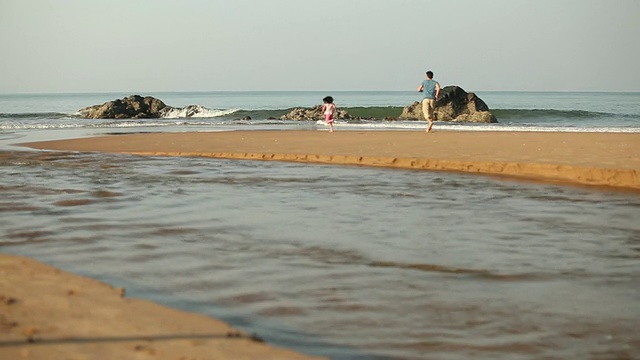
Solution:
(328, 109)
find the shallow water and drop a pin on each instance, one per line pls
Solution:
(347, 262)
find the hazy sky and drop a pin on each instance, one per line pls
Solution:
(200, 45)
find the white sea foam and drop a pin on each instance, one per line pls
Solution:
(196, 111)
(413, 125)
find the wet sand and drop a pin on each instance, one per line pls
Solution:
(46, 313)
(597, 159)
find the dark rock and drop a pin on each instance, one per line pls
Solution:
(131, 107)
(314, 113)
(453, 104)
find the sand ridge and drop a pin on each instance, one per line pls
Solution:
(46, 313)
(600, 159)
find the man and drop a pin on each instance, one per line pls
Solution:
(431, 90)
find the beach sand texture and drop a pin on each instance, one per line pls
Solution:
(46, 313)
(599, 159)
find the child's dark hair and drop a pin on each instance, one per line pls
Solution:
(328, 100)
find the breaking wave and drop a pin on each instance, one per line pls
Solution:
(553, 115)
(372, 112)
(196, 111)
(367, 117)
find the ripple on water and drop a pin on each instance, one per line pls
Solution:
(343, 261)
(75, 202)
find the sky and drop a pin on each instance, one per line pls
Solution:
(68, 46)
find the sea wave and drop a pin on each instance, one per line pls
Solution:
(375, 112)
(196, 111)
(545, 113)
(40, 115)
(368, 117)
(365, 112)
(478, 127)
(507, 115)
(554, 114)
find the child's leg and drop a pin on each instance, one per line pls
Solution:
(329, 120)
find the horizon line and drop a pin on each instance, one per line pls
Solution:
(299, 91)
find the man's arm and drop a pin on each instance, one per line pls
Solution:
(437, 90)
(420, 88)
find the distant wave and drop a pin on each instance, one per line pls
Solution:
(371, 112)
(43, 115)
(197, 111)
(544, 113)
(553, 115)
(379, 112)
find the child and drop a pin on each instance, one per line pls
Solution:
(328, 109)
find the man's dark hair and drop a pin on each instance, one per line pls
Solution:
(430, 74)
(328, 100)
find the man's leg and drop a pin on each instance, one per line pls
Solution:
(427, 110)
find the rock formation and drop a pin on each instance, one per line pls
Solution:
(131, 107)
(314, 113)
(453, 104)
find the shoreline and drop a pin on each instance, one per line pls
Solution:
(48, 313)
(595, 159)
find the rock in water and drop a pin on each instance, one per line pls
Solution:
(131, 107)
(314, 113)
(453, 104)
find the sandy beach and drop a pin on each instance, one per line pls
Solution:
(597, 159)
(47, 313)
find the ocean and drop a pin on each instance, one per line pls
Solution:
(342, 261)
(516, 111)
